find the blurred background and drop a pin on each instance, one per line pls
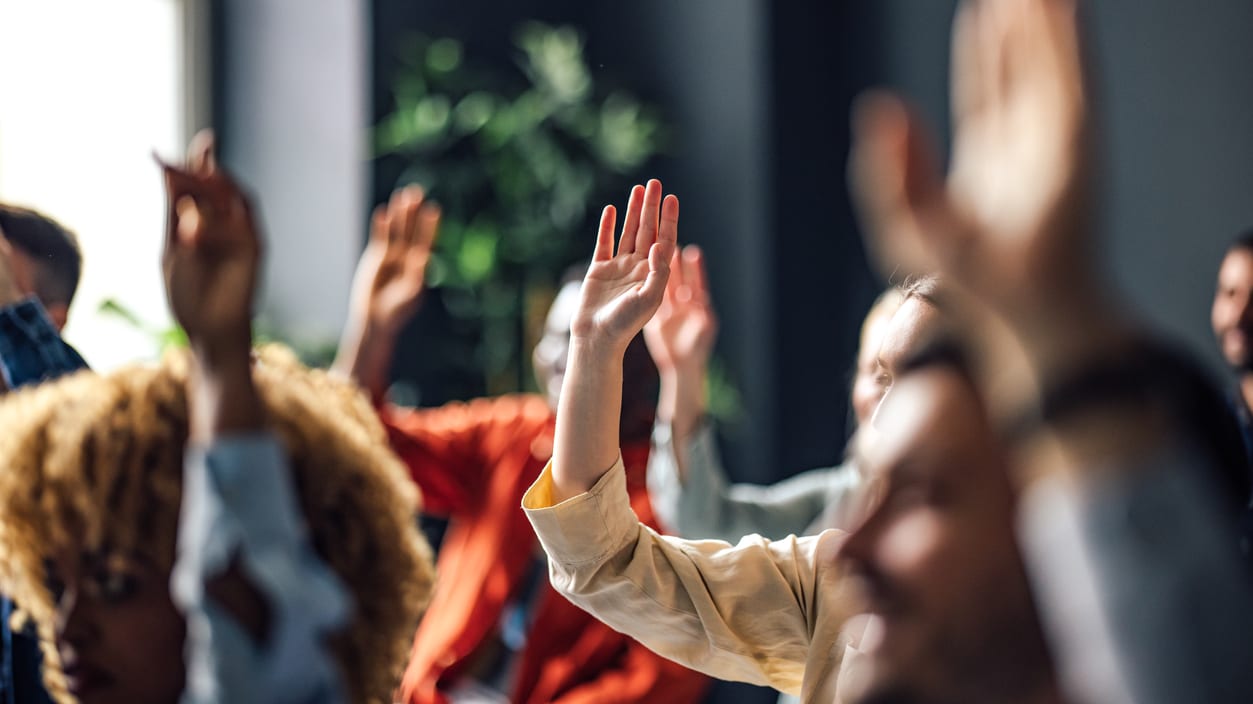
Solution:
(525, 117)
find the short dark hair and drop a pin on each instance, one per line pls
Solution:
(52, 248)
(1244, 240)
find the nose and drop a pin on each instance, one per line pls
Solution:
(75, 625)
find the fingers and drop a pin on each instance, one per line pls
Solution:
(604, 235)
(201, 201)
(189, 223)
(896, 184)
(405, 220)
(380, 224)
(989, 47)
(200, 157)
(428, 226)
(647, 233)
(408, 221)
(654, 286)
(1053, 27)
(669, 229)
(631, 224)
(967, 77)
(693, 274)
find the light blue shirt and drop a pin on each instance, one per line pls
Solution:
(703, 504)
(239, 505)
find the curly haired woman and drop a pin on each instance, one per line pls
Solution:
(217, 528)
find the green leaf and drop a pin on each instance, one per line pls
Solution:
(474, 111)
(477, 258)
(443, 55)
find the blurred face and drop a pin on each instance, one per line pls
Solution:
(549, 357)
(25, 272)
(118, 633)
(868, 385)
(915, 322)
(946, 595)
(1232, 314)
(639, 390)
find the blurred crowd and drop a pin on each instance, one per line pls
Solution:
(1044, 500)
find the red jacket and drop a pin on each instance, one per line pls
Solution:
(473, 462)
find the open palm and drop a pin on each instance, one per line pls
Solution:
(391, 274)
(682, 332)
(1009, 221)
(623, 289)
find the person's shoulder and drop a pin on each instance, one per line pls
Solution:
(522, 410)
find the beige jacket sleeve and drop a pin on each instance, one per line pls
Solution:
(763, 612)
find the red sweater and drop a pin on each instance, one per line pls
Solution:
(473, 462)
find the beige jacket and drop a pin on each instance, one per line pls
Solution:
(764, 612)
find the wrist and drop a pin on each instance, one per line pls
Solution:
(681, 403)
(223, 354)
(221, 399)
(596, 351)
(377, 327)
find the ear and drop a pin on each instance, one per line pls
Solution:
(57, 312)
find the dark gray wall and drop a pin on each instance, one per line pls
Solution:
(1174, 87)
(1175, 109)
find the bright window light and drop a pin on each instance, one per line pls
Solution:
(88, 90)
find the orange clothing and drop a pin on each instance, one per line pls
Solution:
(474, 461)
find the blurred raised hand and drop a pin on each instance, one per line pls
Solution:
(212, 252)
(391, 273)
(210, 263)
(1010, 225)
(682, 332)
(680, 338)
(387, 288)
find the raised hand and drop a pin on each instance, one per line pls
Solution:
(387, 287)
(211, 255)
(1009, 229)
(680, 338)
(622, 290)
(391, 274)
(1010, 223)
(681, 334)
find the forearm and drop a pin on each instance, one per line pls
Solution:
(586, 442)
(221, 397)
(703, 599)
(681, 405)
(365, 356)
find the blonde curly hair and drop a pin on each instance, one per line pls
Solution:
(91, 461)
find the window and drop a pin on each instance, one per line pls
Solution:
(88, 90)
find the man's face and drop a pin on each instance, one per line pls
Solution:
(945, 590)
(1232, 314)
